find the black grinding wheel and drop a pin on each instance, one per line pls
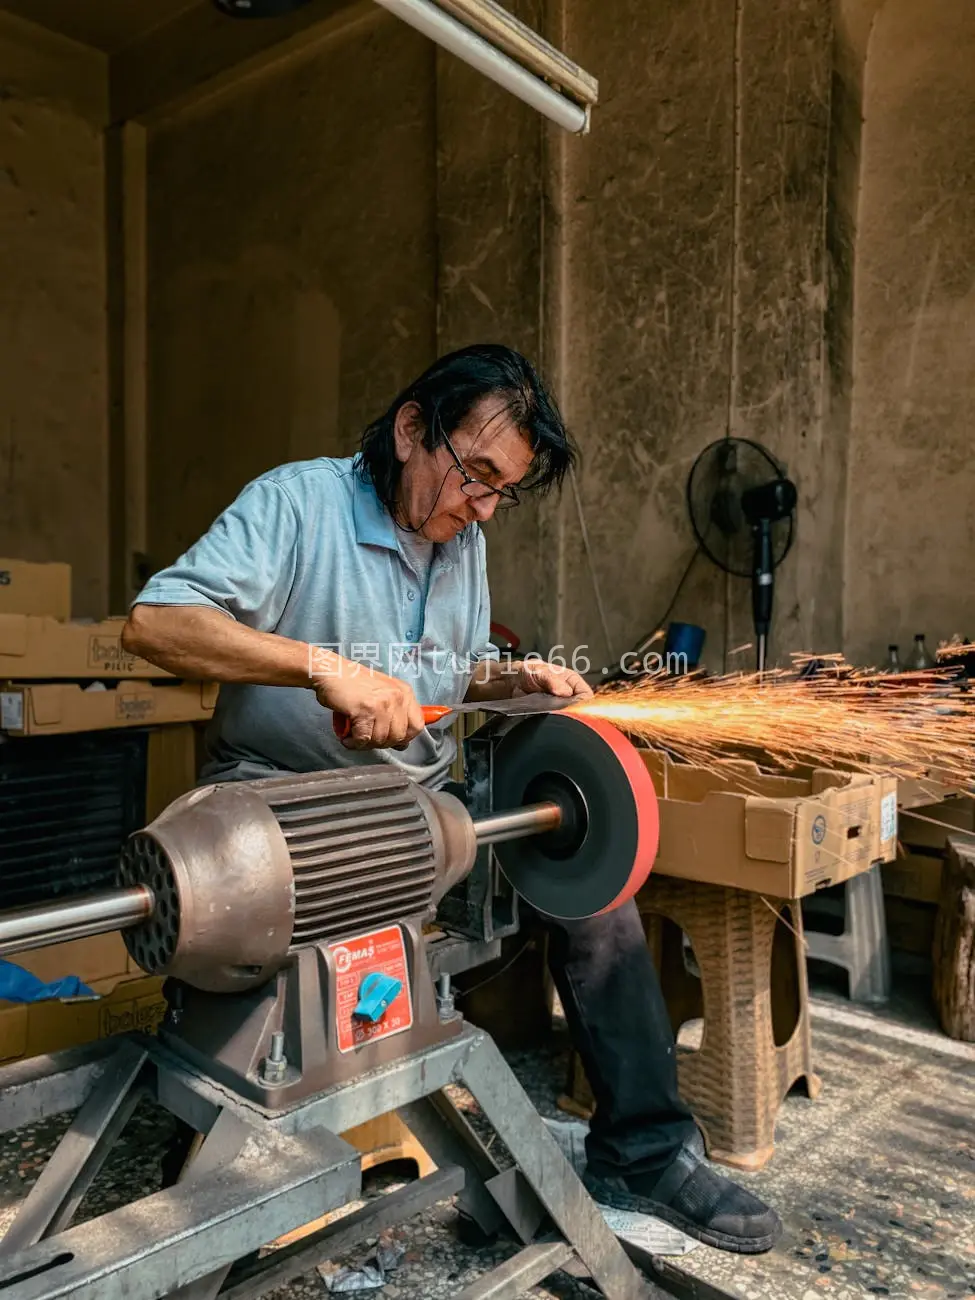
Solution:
(604, 849)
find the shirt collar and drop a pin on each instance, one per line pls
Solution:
(374, 526)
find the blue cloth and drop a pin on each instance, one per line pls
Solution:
(19, 985)
(309, 552)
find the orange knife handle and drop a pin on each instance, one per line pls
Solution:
(434, 712)
(342, 723)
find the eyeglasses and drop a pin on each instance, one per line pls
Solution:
(476, 488)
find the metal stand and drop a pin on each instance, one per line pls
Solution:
(260, 1174)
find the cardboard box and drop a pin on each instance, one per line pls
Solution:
(918, 792)
(912, 792)
(58, 707)
(172, 762)
(931, 825)
(782, 836)
(95, 960)
(35, 1028)
(27, 588)
(916, 877)
(38, 649)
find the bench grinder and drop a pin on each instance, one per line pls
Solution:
(291, 918)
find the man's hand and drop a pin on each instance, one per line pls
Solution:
(384, 712)
(535, 677)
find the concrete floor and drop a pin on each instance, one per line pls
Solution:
(875, 1181)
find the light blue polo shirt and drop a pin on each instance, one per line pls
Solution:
(309, 552)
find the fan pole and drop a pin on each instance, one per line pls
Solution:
(762, 587)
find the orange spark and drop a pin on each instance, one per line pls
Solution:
(907, 725)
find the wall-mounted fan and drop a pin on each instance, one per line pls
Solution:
(742, 509)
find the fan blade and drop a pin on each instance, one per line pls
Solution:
(726, 512)
(727, 457)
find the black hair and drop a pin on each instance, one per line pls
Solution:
(448, 391)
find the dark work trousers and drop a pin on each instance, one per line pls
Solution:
(618, 1022)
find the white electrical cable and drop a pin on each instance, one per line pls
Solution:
(590, 560)
(439, 26)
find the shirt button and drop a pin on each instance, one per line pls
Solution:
(411, 636)
(411, 595)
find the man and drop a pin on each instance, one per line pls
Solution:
(359, 586)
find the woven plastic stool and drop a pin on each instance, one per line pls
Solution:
(862, 949)
(747, 981)
(753, 997)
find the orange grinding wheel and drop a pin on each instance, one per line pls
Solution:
(605, 848)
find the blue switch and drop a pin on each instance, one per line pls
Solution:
(376, 993)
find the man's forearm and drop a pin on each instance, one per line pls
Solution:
(205, 645)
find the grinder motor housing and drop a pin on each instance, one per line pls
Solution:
(289, 912)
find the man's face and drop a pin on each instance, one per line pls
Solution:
(431, 497)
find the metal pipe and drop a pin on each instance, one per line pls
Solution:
(76, 918)
(439, 26)
(533, 819)
(513, 37)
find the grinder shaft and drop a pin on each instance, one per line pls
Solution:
(533, 819)
(76, 918)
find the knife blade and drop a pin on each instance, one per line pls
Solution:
(518, 705)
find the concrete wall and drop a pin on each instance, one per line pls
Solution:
(693, 260)
(490, 171)
(649, 228)
(53, 418)
(666, 270)
(911, 526)
(714, 258)
(386, 207)
(292, 268)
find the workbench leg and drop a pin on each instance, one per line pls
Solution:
(219, 1148)
(64, 1180)
(444, 1132)
(551, 1178)
(167, 1243)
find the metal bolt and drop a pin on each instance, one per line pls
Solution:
(274, 1066)
(446, 1009)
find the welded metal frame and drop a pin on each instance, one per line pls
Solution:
(261, 1174)
(249, 1184)
(483, 907)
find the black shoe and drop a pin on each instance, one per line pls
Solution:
(689, 1195)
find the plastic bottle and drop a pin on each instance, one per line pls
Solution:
(920, 655)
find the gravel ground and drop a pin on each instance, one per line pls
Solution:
(875, 1183)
